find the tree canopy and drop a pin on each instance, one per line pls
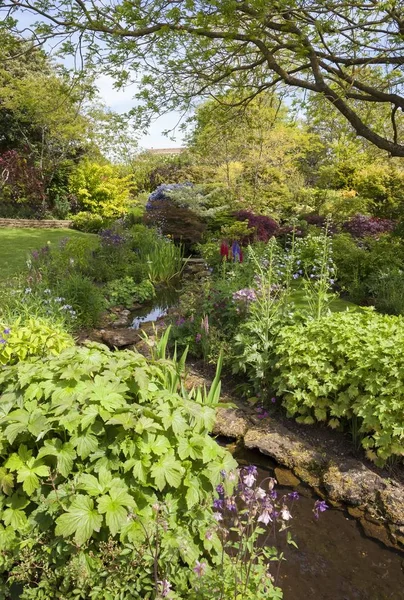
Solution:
(349, 52)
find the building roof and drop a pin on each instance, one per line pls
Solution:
(165, 150)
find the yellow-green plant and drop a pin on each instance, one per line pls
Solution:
(101, 189)
(20, 340)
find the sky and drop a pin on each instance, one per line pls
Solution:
(122, 100)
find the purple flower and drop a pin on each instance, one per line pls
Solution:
(218, 516)
(180, 321)
(165, 588)
(2, 341)
(220, 489)
(231, 504)
(218, 503)
(6, 331)
(273, 400)
(200, 568)
(293, 495)
(263, 415)
(198, 338)
(319, 507)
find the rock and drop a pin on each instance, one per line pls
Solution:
(278, 442)
(353, 483)
(285, 477)
(144, 346)
(355, 512)
(230, 423)
(119, 338)
(377, 532)
(392, 504)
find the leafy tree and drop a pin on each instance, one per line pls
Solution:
(255, 149)
(347, 52)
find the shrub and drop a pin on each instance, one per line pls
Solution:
(386, 288)
(87, 222)
(343, 367)
(100, 189)
(361, 225)
(126, 292)
(85, 297)
(106, 456)
(21, 340)
(264, 227)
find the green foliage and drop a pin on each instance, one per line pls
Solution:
(21, 340)
(88, 222)
(127, 292)
(346, 366)
(100, 189)
(100, 447)
(165, 261)
(360, 265)
(85, 297)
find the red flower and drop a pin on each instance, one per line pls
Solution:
(224, 250)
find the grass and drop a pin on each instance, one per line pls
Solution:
(17, 244)
(336, 305)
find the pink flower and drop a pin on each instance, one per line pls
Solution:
(265, 516)
(200, 568)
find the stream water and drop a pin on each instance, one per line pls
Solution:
(166, 298)
(334, 560)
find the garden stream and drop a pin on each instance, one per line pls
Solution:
(334, 560)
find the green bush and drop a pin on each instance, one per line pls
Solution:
(88, 222)
(101, 189)
(127, 292)
(358, 265)
(108, 474)
(20, 341)
(387, 291)
(346, 367)
(85, 297)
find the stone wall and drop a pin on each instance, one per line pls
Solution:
(35, 224)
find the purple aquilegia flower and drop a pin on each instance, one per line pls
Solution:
(231, 504)
(220, 489)
(250, 475)
(263, 415)
(165, 587)
(319, 507)
(218, 503)
(200, 568)
(285, 513)
(293, 495)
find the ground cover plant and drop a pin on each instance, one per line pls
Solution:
(106, 457)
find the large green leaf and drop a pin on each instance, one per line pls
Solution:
(82, 520)
(167, 470)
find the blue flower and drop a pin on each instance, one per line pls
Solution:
(7, 331)
(2, 341)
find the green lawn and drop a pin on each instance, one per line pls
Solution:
(337, 305)
(16, 245)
